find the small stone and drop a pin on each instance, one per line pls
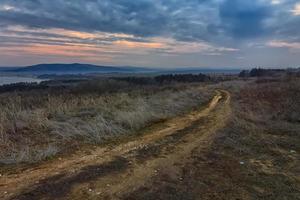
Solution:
(242, 163)
(90, 190)
(5, 192)
(107, 185)
(293, 151)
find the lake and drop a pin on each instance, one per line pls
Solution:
(17, 79)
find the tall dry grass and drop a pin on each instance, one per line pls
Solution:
(38, 124)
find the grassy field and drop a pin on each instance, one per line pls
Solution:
(175, 140)
(256, 155)
(39, 123)
(263, 137)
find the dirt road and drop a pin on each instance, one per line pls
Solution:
(116, 172)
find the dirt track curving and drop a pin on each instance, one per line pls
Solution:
(116, 172)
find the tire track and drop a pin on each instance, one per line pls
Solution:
(111, 173)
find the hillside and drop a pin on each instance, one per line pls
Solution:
(74, 68)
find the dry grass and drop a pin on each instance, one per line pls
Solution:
(35, 125)
(256, 156)
(263, 138)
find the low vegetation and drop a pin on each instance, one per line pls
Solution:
(39, 121)
(261, 72)
(175, 78)
(257, 155)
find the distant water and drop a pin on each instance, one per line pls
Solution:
(16, 79)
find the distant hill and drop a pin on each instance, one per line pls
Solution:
(74, 68)
(77, 69)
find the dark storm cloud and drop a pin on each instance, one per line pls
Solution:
(133, 17)
(178, 18)
(188, 20)
(245, 19)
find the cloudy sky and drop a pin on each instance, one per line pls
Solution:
(156, 33)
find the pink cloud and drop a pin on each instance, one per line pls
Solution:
(296, 10)
(283, 44)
